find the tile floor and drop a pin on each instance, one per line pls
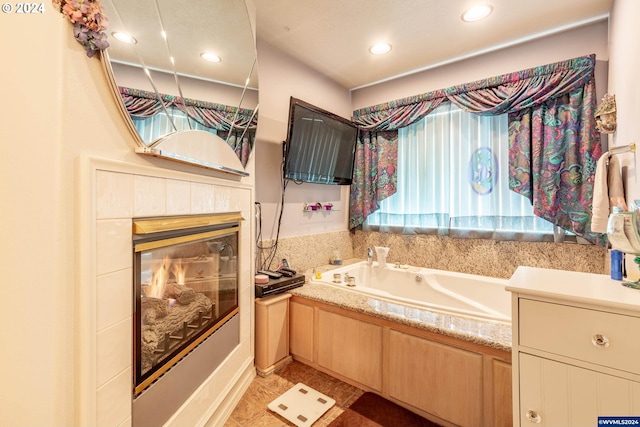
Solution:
(252, 409)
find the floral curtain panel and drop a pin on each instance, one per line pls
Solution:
(552, 136)
(143, 104)
(553, 152)
(376, 156)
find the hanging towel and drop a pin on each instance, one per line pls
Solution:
(608, 191)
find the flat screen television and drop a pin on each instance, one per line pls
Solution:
(320, 146)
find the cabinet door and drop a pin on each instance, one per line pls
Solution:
(301, 330)
(501, 382)
(556, 394)
(439, 379)
(350, 347)
(272, 331)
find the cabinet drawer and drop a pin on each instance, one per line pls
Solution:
(592, 336)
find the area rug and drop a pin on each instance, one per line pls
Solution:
(371, 410)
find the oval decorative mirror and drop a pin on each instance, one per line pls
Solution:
(186, 79)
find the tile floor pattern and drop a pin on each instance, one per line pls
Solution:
(252, 409)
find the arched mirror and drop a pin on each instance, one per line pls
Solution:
(187, 82)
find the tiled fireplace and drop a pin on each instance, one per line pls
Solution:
(117, 196)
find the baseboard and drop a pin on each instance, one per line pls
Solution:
(223, 412)
(271, 369)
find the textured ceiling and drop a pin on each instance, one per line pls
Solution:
(333, 36)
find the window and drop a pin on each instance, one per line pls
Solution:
(453, 180)
(159, 124)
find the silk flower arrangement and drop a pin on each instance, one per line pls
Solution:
(89, 23)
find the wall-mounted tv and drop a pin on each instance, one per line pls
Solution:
(320, 145)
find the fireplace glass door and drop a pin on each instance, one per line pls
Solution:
(186, 286)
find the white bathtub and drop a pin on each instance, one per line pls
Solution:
(444, 291)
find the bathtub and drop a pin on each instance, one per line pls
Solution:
(438, 290)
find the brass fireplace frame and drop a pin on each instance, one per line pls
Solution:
(149, 228)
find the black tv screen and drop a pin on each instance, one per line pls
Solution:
(320, 145)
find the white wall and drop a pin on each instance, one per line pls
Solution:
(624, 63)
(624, 83)
(280, 78)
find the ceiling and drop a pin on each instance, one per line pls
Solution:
(333, 36)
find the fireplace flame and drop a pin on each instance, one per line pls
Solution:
(179, 272)
(159, 280)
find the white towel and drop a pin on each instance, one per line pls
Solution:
(608, 191)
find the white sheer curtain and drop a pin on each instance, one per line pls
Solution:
(159, 124)
(453, 180)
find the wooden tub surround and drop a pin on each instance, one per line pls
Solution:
(452, 370)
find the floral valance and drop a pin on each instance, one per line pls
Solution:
(518, 91)
(493, 96)
(559, 96)
(142, 104)
(396, 114)
(242, 122)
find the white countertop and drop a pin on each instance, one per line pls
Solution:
(586, 288)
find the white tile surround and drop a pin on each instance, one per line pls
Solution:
(115, 193)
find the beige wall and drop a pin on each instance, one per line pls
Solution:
(37, 355)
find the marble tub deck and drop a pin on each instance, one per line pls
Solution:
(488, 333)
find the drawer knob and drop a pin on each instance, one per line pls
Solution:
(600, 341)
(533, 416)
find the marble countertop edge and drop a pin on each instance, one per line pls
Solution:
(493, 334)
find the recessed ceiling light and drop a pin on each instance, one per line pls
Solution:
(380, 48)
(210, 57)
(124, 37)
(477, 13)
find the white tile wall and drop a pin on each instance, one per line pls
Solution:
(178, 197)
(114, 400)
(201, 198)
(114, 193)
(114, 298)
(149, 196)
(223, 199)
(113, 250)
(120, 197)
(113, 351)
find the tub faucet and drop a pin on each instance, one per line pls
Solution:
(369, 256)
